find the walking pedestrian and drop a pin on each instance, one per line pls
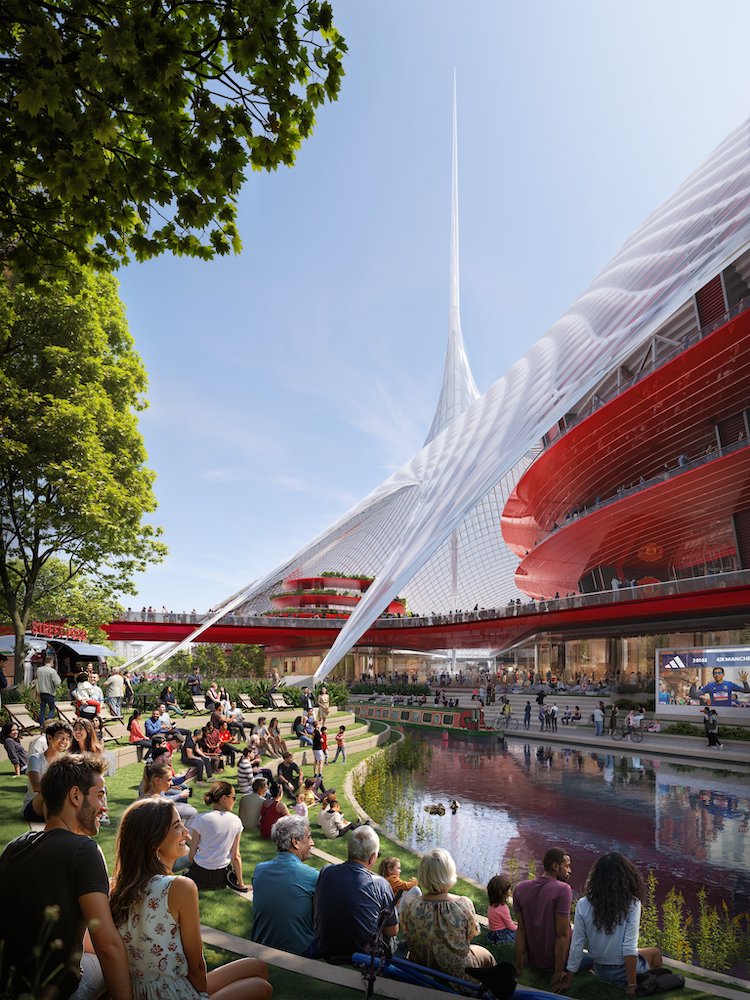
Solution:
(711, 725)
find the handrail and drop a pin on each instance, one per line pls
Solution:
(713, 581)
(689, 340)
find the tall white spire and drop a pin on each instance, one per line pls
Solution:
(459, 388)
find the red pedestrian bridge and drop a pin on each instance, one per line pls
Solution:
(720, 602)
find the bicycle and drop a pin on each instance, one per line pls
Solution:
(505, 722)
(634, 732)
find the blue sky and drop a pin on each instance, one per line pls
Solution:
(287, 382)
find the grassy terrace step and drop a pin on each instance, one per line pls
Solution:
(228, 912)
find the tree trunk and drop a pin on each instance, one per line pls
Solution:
(19, 630)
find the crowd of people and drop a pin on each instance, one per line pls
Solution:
(144, 928)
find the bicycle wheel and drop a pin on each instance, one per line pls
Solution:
(636, 736)
(619, 734)
(512, 723)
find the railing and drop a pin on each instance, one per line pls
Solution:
(714, 581)
(643, 484)
(689, 340)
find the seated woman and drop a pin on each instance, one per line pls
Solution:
(607, 920)
(576, 714)
(299, 731)
(169, 698)
(439, 926)
(213, 698)
(274, 736)
(16, 753)
(212, 744)
(157, 914)
(272, 809)
(137, 736)
(215, 860)
(157, 781)
(59, 737)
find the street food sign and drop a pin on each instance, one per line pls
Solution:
(54, 630)
(695, 677)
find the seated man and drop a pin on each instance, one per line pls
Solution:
(351, 902)
(155, 726)
(289, 775)
(542, 908)
(283, 890)
(251, 805)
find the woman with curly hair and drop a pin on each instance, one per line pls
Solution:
(157, 915)
(607, 920)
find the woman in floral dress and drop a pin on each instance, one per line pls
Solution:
(439, 926)
(157, 915)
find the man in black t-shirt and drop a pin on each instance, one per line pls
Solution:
(54, 885)
(289, 775)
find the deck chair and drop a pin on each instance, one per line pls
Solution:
(278, 701)
(199, 703)
(67, 711)
(19, 714)
(248, 704)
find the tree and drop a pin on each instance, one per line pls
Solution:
(81, 601)
(246, 661)
(127, 126)
(73, 481)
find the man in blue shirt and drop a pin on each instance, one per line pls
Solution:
(283, 890)
(352, 903)
(721, 692)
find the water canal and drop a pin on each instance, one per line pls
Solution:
(689, 825)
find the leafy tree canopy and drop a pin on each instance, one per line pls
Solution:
(73, 480)
(127, 126)
(80, 601)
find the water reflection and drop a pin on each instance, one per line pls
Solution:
(689, 825)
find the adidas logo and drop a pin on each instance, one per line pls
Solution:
(676, 664)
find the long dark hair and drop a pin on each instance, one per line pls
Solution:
(613, 885)
(143, 827)
(91, 741)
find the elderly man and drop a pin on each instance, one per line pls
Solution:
(283, 890)
(351, 903)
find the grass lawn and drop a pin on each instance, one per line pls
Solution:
(227, 912)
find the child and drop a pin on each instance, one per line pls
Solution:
(317, 752)
(309, 796)
(390, 869)
(300, 808)
(324, 742)
(340, 744)
(502, 929)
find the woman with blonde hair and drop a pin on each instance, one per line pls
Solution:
(157, 914)
(439, 926)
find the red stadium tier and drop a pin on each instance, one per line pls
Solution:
(648, 486)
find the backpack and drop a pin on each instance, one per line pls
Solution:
(658, 981)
